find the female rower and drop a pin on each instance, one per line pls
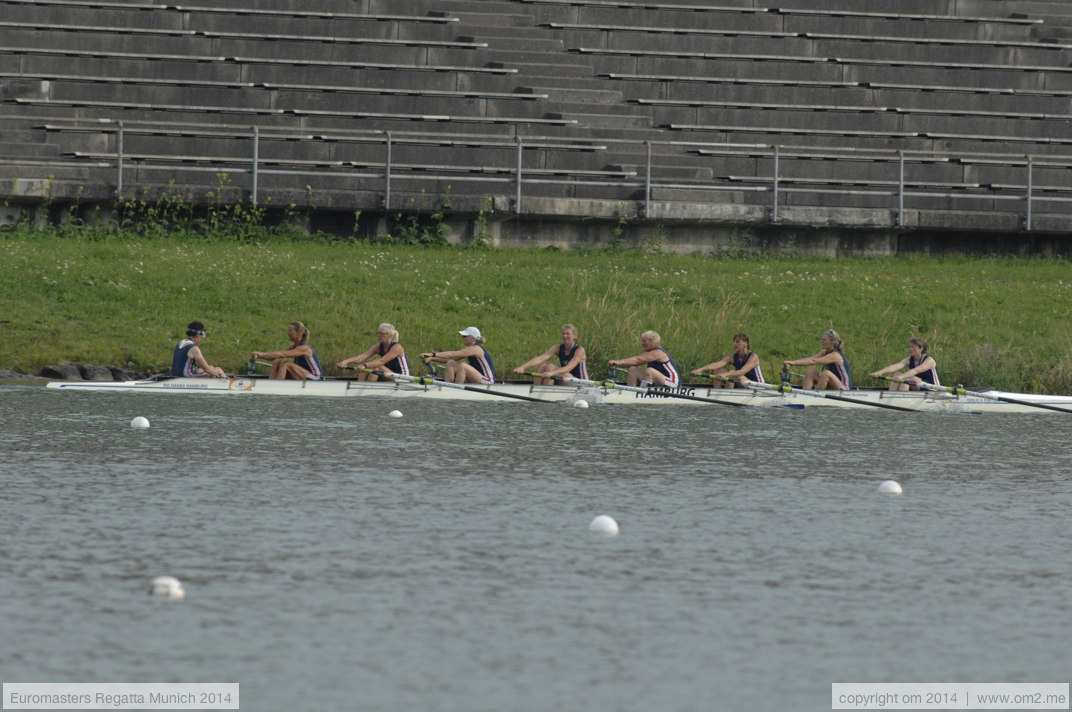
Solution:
(835, 372)
(477, 366)
(919, 367)
(389, 355)
(654, 366)
(571, 360)
(745, 365)
(188, 361)
(305, 366)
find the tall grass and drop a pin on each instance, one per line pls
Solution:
(116, 298)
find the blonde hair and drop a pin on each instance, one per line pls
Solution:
(301, 329)
(388, 328)
(833, 336)
(571, 328)
(653, 337)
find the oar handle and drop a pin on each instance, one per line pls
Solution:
(957, 390)
(602, 384)
(780, 388)
(251, 365)
(420, 380)
(537, 374)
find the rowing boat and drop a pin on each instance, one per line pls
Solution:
(927, 401)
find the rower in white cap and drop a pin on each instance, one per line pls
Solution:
(477, 366)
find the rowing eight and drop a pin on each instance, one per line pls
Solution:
(987, 401)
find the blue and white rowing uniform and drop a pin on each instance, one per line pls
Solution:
(756, 374)
(581, 369)
(484, 366)
(841, 370)
(668, 369)
(310, 364)
(930, 375)
(181, 363)
(399, 365)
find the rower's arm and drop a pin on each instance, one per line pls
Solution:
(357, 359)
(891, 368)
(537, 360)
(578, 357)
(715, 365)
(392, 353)
(752, 362)
(927, 364)
(288, 353)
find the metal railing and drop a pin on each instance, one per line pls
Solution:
(900, 191)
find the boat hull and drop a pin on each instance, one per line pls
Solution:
(516, 392)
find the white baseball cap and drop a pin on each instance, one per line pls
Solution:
(471, 331)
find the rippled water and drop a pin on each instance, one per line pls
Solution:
(337, 559)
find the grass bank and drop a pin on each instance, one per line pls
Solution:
(125, 301)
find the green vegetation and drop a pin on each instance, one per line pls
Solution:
(102, 297)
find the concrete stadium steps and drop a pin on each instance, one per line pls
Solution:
(23, 144)
(826, 73)
(893, 120)
(523, 41)
(826, 68)
(40, 63)
(935, 141)
(740, 89)
(292, 99)
(789, 69)
(944, 10)
(279, 71)
(208, 18)
(862, 21)
(406, 154)
(965, 173)
(489, 19)
(452, 7)
(229, 43)
(642, 40)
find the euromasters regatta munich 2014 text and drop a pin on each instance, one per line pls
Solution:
(129, 699)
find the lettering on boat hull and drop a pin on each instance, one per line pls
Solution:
(666, 392)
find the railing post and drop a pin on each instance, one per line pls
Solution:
(517, 179)
(900, 189)
(774, 191)
(1030, 190)
(119, 163)
(647, 184)
(387, 176)
(256, 161)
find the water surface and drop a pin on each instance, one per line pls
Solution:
(338, 559)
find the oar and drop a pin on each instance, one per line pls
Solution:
(744, 382)
(426, 381)
(960, 391)
(251, 366)
(637, 389)
(786, 388)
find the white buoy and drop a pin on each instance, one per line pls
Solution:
(580, 404)
(603, 525)
(395, 414)
(889, 487)
(139, 422)
(167, 587)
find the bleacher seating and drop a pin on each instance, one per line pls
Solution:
(593, 95)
